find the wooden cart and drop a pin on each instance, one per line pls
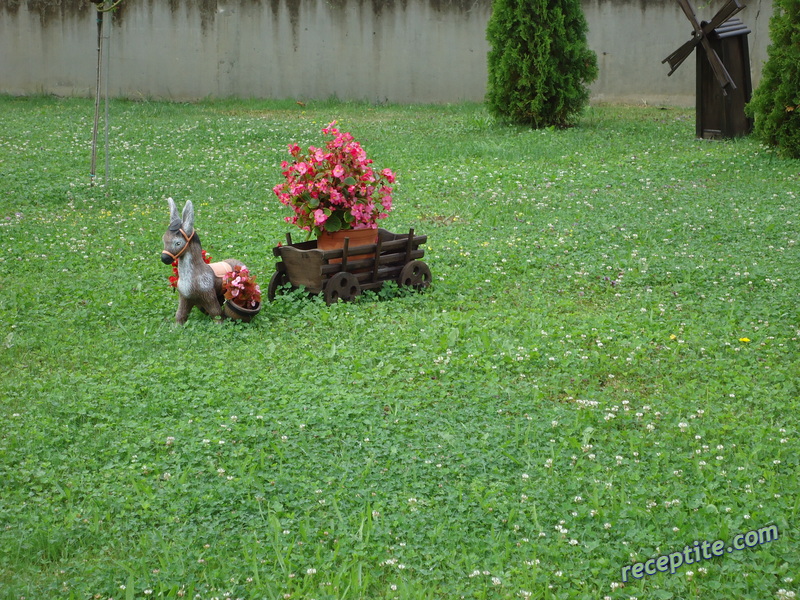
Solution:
(344, 274)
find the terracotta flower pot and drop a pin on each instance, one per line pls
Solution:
(358, 237)
(234, 311)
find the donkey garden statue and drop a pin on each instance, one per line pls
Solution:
(199, 284)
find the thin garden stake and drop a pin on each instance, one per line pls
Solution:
(108, 28)
(97, 90)
(101, 7)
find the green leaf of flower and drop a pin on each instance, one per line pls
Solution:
(334, 223)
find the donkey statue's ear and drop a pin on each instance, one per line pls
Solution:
(174, 218)
(188, 217)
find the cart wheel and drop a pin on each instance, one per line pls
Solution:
(415, 274)
(342, 286)
(276, 282)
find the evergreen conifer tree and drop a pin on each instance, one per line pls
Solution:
(539, 62)
(776, 102)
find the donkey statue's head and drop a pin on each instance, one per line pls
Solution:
(199, 284)
(180, 233)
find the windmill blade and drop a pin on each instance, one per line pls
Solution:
(700, 36)
(689, 12)
(731, 8)
(676, 59)
(720, 72)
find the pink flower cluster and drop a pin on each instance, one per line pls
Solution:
(240, 287)
(335, 187)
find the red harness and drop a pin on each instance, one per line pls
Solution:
(188, 239)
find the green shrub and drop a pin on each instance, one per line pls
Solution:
(776, 103)
(539, 62)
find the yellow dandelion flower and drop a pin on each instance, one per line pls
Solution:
(744, 340)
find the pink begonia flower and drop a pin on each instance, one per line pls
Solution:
(295, 189)
(294, 149)
(388, 174)
(357, 211)
(338, 171)
(301, 168)
(336, 197)
(320, 217)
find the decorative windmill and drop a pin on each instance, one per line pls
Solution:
(723, 84)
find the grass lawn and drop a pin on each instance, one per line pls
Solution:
(604, 371)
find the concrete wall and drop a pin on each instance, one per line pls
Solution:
(376, 50)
